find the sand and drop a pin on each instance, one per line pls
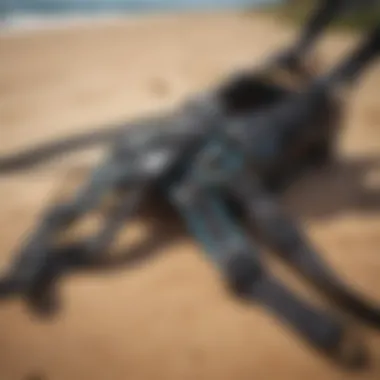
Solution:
(170, 318)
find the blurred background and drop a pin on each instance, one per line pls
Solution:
(22, 10)
(74, 65)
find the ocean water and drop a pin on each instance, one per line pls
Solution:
(9, 8)
(18, 15)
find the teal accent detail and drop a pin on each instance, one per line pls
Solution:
(222, 214)
(196, 226)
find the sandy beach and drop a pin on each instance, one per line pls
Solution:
(170, 317)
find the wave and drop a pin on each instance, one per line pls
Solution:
(35, 22)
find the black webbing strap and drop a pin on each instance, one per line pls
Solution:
(238, 259)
